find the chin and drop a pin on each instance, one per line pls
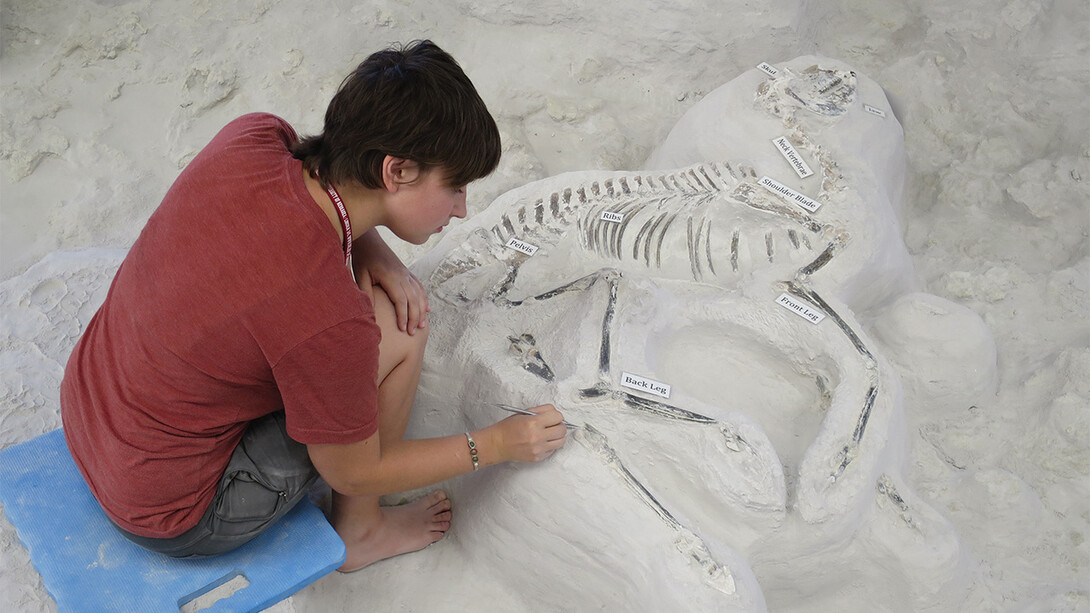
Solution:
(415, 239)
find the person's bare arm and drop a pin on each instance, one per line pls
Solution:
(373, 468)
(375, 263)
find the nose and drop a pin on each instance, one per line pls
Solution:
(459, 209)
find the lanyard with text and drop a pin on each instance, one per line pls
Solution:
(346, 224)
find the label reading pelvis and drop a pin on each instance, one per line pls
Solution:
(521, 246)
(642, 384)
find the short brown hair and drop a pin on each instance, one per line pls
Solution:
(412, 102)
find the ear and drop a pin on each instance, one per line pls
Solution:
(398, 171)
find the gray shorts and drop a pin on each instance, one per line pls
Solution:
(267, 475)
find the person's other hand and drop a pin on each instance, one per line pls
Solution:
(405, 291)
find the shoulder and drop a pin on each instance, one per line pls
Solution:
(258, 128)
(254, 142)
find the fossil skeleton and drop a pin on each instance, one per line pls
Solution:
(713, 228)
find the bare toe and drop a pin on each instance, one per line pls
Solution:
(439, 499)
(400, 529)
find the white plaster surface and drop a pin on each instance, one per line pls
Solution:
(983, 319)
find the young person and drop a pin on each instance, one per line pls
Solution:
(237, 356)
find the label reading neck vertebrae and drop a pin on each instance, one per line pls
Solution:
(521, 246)
(793, 158)
(643, 384)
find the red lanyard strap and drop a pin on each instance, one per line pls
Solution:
(346, 223)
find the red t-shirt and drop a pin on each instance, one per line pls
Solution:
(234, 302)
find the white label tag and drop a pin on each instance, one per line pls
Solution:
(612, 217)
(800, 308)
(873, 110)
(637, 382)
(768, 69)
(793, 158)
(518, 245)
(779, 188)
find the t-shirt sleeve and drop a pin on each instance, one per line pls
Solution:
(328, 384)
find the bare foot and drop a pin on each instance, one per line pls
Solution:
(390, 531)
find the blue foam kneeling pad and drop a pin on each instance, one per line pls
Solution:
(87, 565)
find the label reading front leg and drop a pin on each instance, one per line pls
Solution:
(643, 384)
(800, 308)
(521, 246)
(793, 158)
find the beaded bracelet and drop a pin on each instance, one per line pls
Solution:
(473, 451)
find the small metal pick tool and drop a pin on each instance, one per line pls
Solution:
(507, 407)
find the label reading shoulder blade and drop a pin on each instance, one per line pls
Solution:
(776, 187)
